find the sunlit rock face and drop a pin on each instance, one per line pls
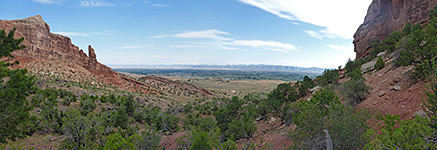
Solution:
(386, 16)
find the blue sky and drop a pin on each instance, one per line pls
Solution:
(306, 33)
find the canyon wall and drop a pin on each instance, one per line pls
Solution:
(386, 16)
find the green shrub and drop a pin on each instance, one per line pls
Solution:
(69, 99)
(356, 74)
(228, 145)
(82, 132)
(406, 58)
(148, 140)
(325, 112)
(117, 142)
(305, 85)
(244, 127)
(122, 118)
(154, 117)
(204, 124)
(200, 140)
(328, 77)
(407, 28)
(379, 64)
(352, 65)
(129, 102)
(87, 104)
(276, 98)
(355, 91)
(142, 115)
(168, 123)
(430, 100)
(396, 134)
(236, 122)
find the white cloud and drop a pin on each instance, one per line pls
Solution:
(73, 33)
(268, 45)
(44, 1)
(103, 33)
(185, 46)
(313, 34)
(205, 34)
(159, 36)
(229, 48)
(95, 3)
(199, 45)
(227, 43)
(131, 47)
(341, 48)
(136, 46)
(159, 5)
(295, 23)
(339, 17)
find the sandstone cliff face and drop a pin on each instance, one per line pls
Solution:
(41, 44)
(386, 16)
(44, 49)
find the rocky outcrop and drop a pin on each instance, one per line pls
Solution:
(91, 52)
(386, 16)
(49, 48)
(41, 44)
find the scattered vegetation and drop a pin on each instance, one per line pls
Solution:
(407, 134)
(328, 77)
(379, 64)
(325, 111)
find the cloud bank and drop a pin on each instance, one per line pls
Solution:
(206, 34)
(337, 19)
(95, 3)
(44, 1)
(228, 43)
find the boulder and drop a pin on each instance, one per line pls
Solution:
(382, 54)
(396, 88)
(369, 66)
(420, 113)
(314, 90)
(381, 93)
(272, 120)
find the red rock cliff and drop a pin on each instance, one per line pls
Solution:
(386, 16)
(41, 44)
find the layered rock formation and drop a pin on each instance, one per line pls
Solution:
(44, 48)
(386, 16)
(41, 44)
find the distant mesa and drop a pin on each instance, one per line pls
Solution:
(226, 67)
(386, 16)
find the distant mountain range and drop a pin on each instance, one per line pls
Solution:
(225, 67)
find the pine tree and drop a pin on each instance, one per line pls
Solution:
(379, 64)
(15, 86)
